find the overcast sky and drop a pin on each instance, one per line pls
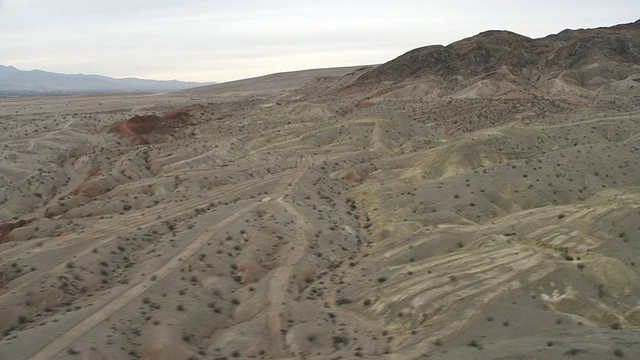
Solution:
(202, 40)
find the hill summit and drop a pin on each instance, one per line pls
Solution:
(504, 64)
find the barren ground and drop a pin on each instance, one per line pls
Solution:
(290, 224)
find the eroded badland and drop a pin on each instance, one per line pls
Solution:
(479, 200)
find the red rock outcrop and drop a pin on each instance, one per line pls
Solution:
(151, 129)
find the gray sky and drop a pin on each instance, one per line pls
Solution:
(225, 40)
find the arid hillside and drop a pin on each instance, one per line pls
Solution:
(479, 200)
(574, 65)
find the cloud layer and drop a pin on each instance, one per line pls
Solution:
(221, 41)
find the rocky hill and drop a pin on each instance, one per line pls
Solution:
(502, 64)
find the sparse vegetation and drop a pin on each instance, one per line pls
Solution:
(319, 217)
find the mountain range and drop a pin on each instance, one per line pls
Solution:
(16, 80)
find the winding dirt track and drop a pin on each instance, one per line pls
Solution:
(280, 279)
(288, 179)
(158, 214)
(133, 292)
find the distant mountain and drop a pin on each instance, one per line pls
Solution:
(15, 80)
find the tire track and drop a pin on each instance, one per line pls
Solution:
(65, 340)
(280, 279)
(53, 348)
(149, 218)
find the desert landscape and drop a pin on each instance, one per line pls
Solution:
(479, 200)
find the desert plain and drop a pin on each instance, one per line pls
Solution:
(479, 200)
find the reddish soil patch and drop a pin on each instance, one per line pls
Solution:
(6, 228)
(95, 172)
(183, 116)
(137, 125)
(358, 175)
(90, 189)
(364, 104)
(139, 141)
(143, 127)
(250, 271)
